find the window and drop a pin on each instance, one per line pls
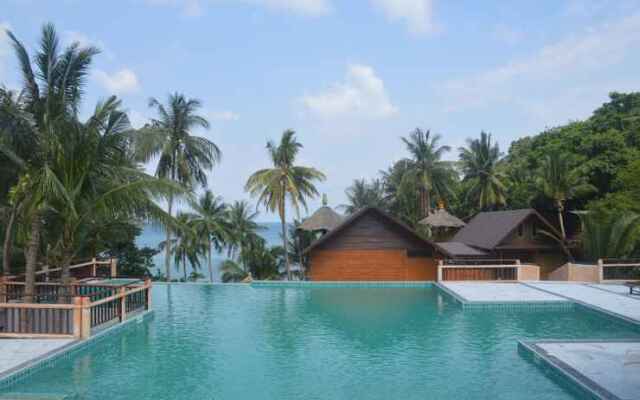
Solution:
(413, 253)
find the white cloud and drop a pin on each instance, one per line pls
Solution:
(362, 94)
(573, 59)
(84, 41)
(222, 116)
(121, 82)
(417, 14)
(302, 7)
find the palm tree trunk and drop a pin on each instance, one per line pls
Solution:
(167, 249)
(33, 246)
(285, 241)
(210, 264)
(561, 220)
(427, 198)
(8, 241)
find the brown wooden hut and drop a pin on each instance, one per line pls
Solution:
(371, 245)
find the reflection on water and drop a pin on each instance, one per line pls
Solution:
(238, 342)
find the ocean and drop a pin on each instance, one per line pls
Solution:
(151, 236)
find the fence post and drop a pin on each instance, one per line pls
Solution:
(114, 267)
(123, 303)
(93, 267)
(77, 317)
(85, 330)
(600, 270)
(440, 263)
(147, 283)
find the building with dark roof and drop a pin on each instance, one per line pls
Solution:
(371, 245)
(515, 234)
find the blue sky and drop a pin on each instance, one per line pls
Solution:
(350, 77)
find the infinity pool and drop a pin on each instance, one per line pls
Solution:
(239, 342)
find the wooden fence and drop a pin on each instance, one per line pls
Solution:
(86, 309)
(486, 270)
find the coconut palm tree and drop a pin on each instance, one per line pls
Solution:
(610, 235)
(232, 272)
(211, 221)
(479, 162)
(53, 88)
(363, 194)
(183, 157)
(244, 228)
(432, 175)
(560, 182)
(285, 181)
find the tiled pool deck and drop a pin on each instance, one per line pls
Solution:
(601, 370)
(16, 352)
(500, 293)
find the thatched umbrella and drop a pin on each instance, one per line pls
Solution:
(440, 218)
(323, 220)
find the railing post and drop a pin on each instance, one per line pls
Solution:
(3, 289)
(123, 303)
(85, 330)
(147, 283)
(440, 263)
(114, 268)
(600, 270)
(77, 317)
(93, 267)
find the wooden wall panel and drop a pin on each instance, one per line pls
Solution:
(370, 265)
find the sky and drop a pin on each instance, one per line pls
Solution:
(349, 76)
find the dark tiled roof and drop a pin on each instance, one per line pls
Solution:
(487, 229)
(457, 249)
(358, 214)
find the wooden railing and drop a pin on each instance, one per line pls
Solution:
(486, 270)
(90, 307)
(612, 270)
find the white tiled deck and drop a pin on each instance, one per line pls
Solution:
(14, 352)
(488, 292)
(614, 366)
(612, 302)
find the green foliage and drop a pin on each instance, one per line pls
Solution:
(610, 235)
(232, 272)
(118, 241)
(362, 194)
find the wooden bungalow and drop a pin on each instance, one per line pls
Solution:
(515, 234)
(371, 245)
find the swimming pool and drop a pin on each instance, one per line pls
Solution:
(241, 342)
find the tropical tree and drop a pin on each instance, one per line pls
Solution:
(299, 240)
(53, 87)
(211, 222)
(363, 194)
(244, 228)
(183, 157)
(232, 272)
(285, 181)
(479, 162)
(610, 235)
(432, 175)
(186, 246)
(560, 182)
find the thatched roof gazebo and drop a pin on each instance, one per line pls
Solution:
(442, 224)
(323, 220)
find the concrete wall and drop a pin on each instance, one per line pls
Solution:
(575, 273)
(370, 265)
(529, 273)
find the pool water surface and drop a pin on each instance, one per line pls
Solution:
(242, 342)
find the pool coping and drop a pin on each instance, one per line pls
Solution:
(16, 374)
(345, 284)
(563, 373)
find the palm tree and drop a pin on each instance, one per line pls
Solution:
(479, 161)
(211, 220)
(183, 157)
(185, 246)
(232, 272)
(610, 235)
(363, 194)
(52, 94)
(244, 228)
(430, 173)
(559, 182)
(273, 186)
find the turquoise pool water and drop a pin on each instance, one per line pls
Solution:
(239, 342)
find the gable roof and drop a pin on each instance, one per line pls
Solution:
(457, 249)
(384, 215)
(440, 218)
(488, 229)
